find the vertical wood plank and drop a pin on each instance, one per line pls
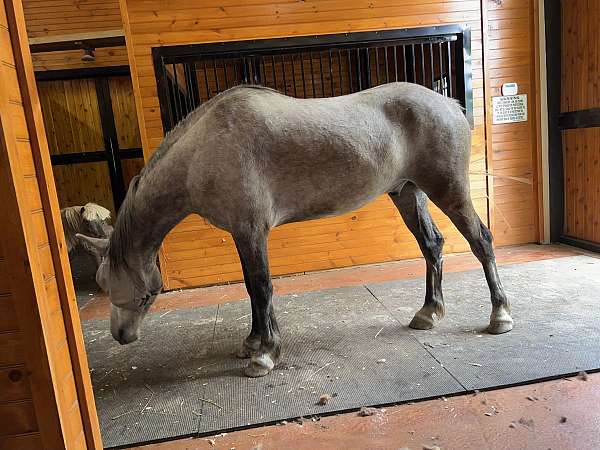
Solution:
(52, 431)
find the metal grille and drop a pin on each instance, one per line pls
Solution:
(320, 66)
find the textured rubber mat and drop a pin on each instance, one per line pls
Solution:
(150, 389)
(556, 309)
(181, 377)
(334, 343)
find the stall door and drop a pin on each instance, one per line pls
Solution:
(573, 68)
(93, 136)
(580, 120)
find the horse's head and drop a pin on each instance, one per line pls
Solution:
(132, 287)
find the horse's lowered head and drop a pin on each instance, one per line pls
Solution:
(132, 286)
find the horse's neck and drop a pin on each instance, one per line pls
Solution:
(160, 204)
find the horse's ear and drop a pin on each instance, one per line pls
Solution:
(97, 245)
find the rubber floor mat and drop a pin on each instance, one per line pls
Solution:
(182, 378)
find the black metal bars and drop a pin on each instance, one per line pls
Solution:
(320, 66)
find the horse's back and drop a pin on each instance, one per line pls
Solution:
(309, 158)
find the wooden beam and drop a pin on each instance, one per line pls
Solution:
(58, 250)
(97, 39)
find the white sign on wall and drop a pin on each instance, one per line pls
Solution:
(509, 109)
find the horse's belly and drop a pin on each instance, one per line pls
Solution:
(330, 201)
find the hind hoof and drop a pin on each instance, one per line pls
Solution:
(421, 321)
(500, 321)
(260, 365)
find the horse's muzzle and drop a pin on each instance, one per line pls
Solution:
(124, 338)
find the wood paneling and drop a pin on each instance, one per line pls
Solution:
(123, 105)
(14, 418)
(41, 354)
(28, 441)
(14, 385)
(580, 55)
(78, 184)
(60, 17)
(105, 57)
(581, 153)
(17, 418)
(131, 167)
(44, 17)
(512, 157)
(580, 89)
(195, 252)
(73, 125)
(71, 115)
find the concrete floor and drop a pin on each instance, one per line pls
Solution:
(559, 414)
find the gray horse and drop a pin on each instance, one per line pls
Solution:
(252, 158)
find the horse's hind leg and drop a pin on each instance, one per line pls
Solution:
(458, 207)
(264, 343)
(412, 205)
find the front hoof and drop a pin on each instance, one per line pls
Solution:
(248, 347)
(260, 365)
(421, 321)
(499, 327)
(500, 322)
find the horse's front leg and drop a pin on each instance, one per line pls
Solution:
(252, 342)
(263, 344)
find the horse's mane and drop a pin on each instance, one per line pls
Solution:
(120, 243)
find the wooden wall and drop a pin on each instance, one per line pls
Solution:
(62, 17)
(45, 393)
(510, 56)
(126, 124)
(105, 57)
(580, 90)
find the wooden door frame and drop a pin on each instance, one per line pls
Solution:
(31, 308)
(111, 154)
(557, 122)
